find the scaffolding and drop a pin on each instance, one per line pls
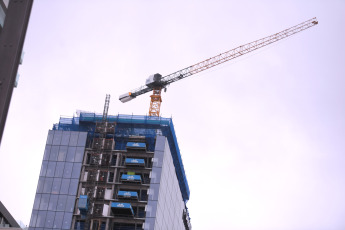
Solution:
(127, 127)
(101, 146)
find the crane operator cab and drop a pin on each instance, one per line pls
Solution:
(154, 80)
(151, 82)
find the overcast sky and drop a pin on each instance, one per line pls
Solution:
(262, 137)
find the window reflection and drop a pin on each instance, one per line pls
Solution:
(62, 153)
(64, 186)
(53, 202)
(61, 203)
(54, 153)
(65, 138)
(58, 220)
(56, 185)
(48, 182)
(67, 172)
(59, 179)
(70, 154)
(41, 216)
(49, 220)
(73, 139)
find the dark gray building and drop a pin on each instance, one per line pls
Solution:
(125, 173)
(6, 219)
(14, 19)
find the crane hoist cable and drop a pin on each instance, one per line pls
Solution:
(156, 82)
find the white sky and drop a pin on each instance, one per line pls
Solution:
(262, 137)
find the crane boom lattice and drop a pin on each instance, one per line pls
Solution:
(156, 82)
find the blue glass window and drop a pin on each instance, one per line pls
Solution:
(73, 187)
(79, 154)
(57, 138)
(50, 137)
(33, 218)
(70, 204)
(54, 153)
(61, 203)
(47, 152)
(44, 168)
(67, 220)
(49, 220)
(74, 139)
(58, 220)
(53, 202)
(76, 170)
(70, 154)
(40, 184)
(56, 185)
(41, 216)
(64, 186)
(62, 153)
(37, 201)
(48, 182)
(51, 169)
(67, 172)
(59, 169)
(44, 201)
(65, 138)
(82, 139)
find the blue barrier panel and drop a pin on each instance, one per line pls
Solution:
(120, 205)
(127, 194)
(131, 177)
(82, 203)
(136, 145)
(133, 161)
(122, 208)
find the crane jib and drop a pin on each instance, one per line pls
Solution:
(162, 82)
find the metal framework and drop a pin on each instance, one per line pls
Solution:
(106, 108)
(99, 168)
(156, 101)
(216, 60)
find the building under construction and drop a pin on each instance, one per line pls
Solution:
(122, 172)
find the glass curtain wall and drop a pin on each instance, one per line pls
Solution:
(58, 182)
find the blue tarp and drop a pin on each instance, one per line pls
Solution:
(83, 206)
(136, 145)
(131, 177)
(82, 203)
(133, 161)
(127, 194)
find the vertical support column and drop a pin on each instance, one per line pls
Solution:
(155, 104)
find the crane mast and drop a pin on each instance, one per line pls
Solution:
(156, 82)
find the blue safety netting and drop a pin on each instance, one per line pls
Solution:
(132, 125)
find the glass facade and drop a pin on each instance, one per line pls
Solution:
(165, 203)
(116, 170)
(58, 182)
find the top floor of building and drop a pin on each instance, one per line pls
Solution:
(123, 129)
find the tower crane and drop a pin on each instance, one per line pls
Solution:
(156, 82)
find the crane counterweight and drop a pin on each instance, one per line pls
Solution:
(126, 97)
